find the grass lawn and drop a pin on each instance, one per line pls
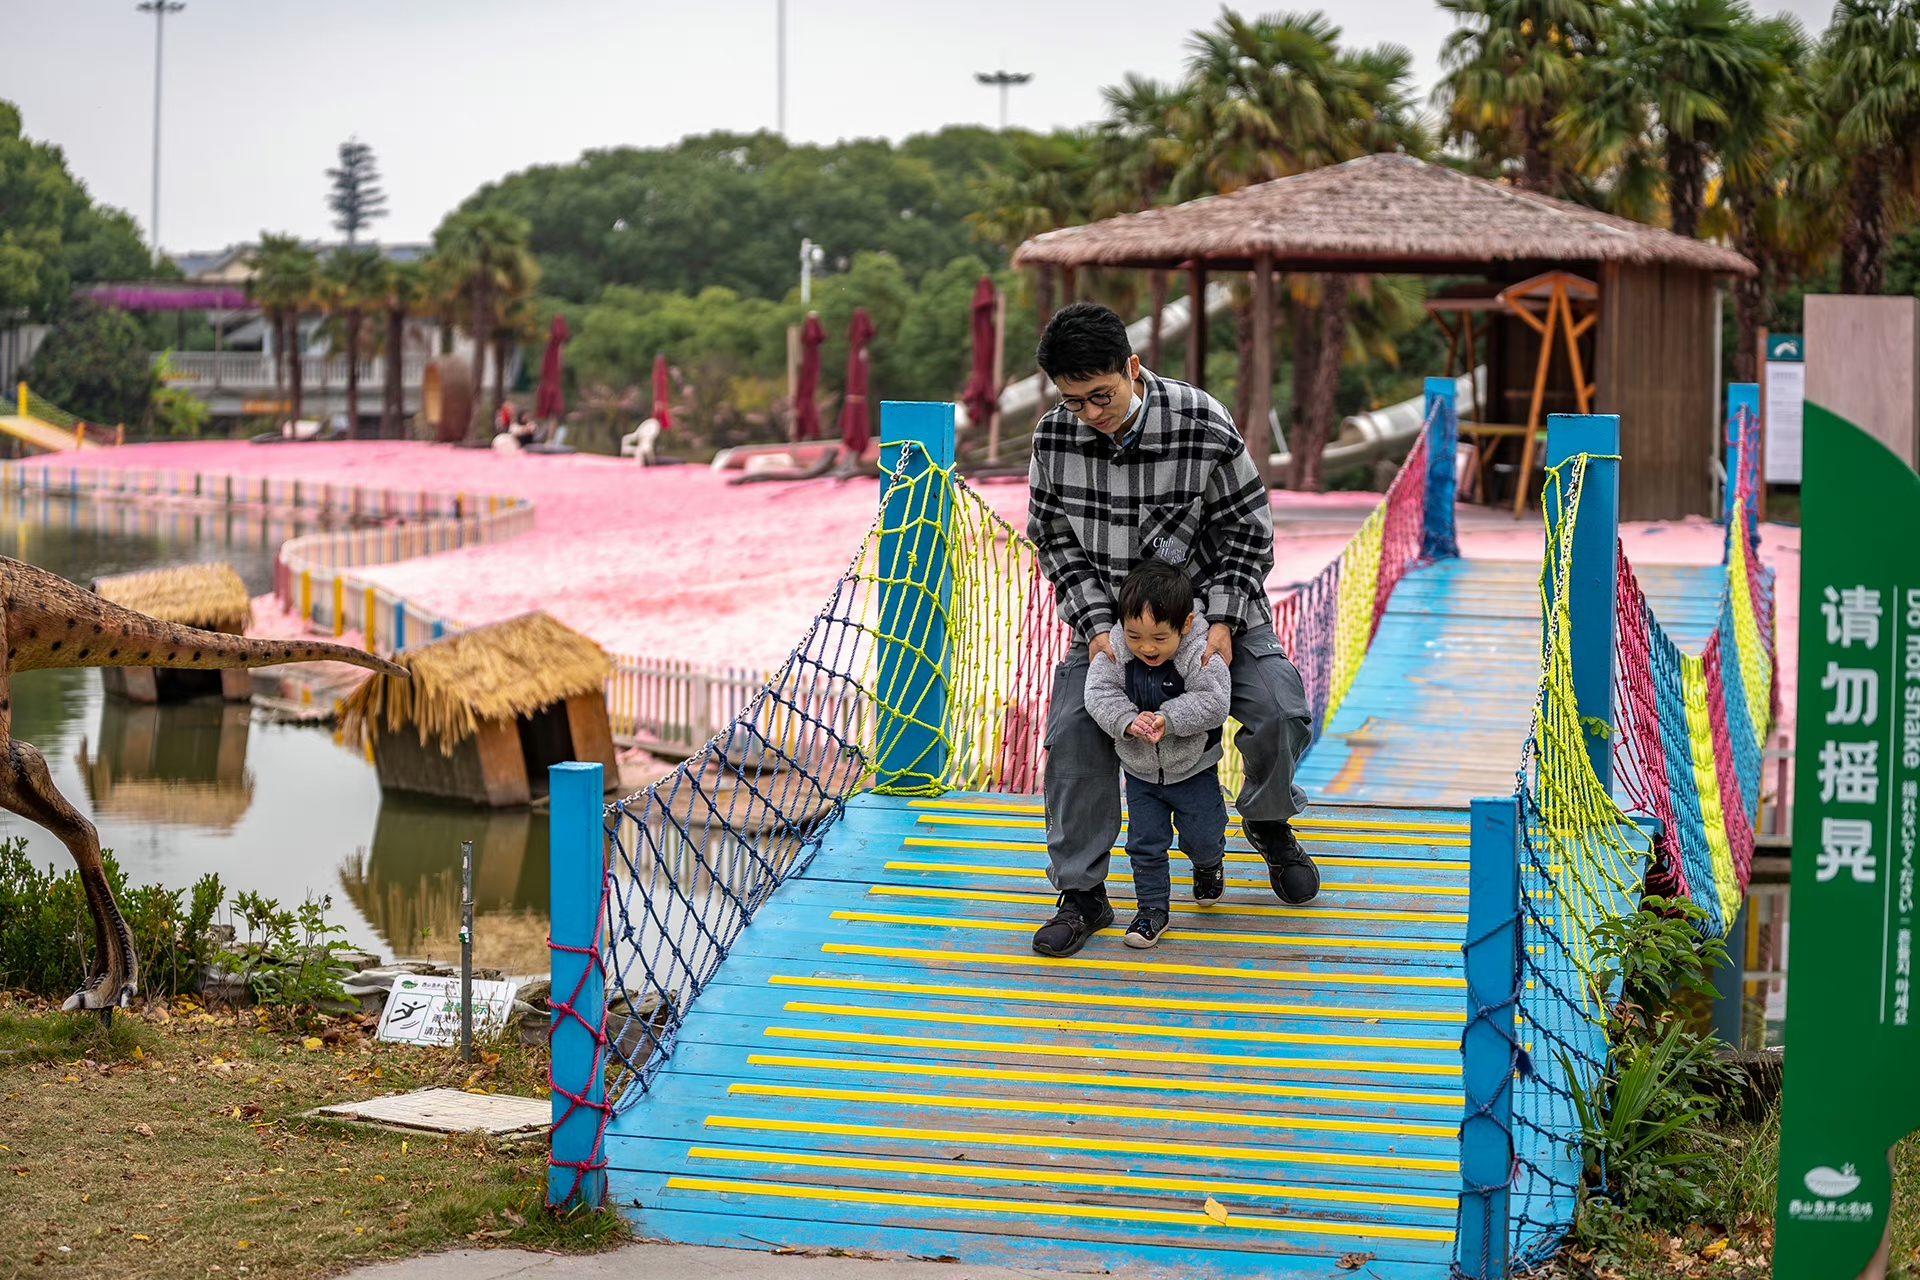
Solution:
(173, 1145)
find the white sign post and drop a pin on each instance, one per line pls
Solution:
(1786, 377)
(423, 1010)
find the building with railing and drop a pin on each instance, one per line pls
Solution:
(245, 383)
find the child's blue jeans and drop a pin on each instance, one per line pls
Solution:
(1154, 810)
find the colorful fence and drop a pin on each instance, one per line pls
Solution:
(929, 669)
(1684, 733)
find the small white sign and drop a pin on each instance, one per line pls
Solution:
(1786, 406)
(427, 1010)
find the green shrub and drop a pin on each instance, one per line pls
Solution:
(290, 959)
(46, 933)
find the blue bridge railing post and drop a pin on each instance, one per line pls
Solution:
(1438, 542)
(915, 591)
(1592, 594)
(1743, 398)
(1488, 1045)
(576, 1173)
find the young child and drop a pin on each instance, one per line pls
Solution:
(1165, 708)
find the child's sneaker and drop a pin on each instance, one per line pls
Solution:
(1146, 928)
(1209, 884)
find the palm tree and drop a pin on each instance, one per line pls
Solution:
(404, 285)
(480, 244)
(285, 278)
(353, 284)
(1867, 93)
(1510, 70)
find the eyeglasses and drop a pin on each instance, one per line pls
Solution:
(1099, 400)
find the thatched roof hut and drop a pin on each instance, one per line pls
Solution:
(209, 596)
(485, 711)
(1652, 350)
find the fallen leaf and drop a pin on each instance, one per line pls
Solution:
(1714, 1250)
(311, 1042)
(149, 1239)
(1216, 1210)
(139, 1054)
(513, 1217)
(490, 1059)
(1353, 1261)
(933, 1257)
(145, 1131)
(243, 1244)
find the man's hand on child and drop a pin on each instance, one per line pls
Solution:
(1219, 641)
(1102, 643)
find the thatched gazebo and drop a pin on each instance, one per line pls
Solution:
(210, 596)
(1651, 351)
(171, 766)
(486, 711)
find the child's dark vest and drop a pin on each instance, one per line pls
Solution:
(1150, 688)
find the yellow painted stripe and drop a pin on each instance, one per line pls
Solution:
(1095, 998)
(1078, 1107)
(1179, 908)
(1341, 836)
(1444, 865)
(933, 955)
(1045, 1209)
(1080, 1053)
(990, 806)
(943, 1018)
(1084, 1142)
(1170, 1084)
(1040, 873)
(1074, 1178)
(1171, 935)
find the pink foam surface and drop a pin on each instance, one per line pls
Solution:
(673, 562)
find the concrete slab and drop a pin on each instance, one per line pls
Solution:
(654, 1261)
(447, 1111)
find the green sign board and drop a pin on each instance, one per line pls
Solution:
(1853, 1068)
(1786, 346)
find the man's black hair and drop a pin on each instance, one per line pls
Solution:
(1084, 340)
(1159, 588)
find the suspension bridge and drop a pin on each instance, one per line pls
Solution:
(824, 1027)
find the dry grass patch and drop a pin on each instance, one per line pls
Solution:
(173, 1145)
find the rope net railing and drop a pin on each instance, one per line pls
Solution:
(929, 669)
(1686, 737)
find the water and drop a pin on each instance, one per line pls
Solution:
(179, 790)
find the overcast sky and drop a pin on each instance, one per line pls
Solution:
(452, 93)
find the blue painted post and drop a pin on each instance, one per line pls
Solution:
(1740, 396)
(576, 1173)
(1595, 586)
(1487, 1045)
(1443, 435)
(914, 592)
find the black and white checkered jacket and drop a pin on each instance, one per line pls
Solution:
(1185, 491)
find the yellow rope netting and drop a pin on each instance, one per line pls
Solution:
(1359, 582)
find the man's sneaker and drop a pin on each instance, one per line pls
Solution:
(1289, 870)
(1209, 884)
(1082, 913)
(1146, 929)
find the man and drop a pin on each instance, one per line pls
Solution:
(1130, 466)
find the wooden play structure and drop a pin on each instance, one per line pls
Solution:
(210, 596)
(486, 711)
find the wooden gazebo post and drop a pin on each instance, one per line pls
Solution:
(1197, 323)
(1257, 432)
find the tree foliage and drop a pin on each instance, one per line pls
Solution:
(94, 363)
(52, 235)
(357, 198)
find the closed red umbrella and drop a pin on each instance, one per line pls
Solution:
(981, 395)
(855, 425)
(550, 403)
(662, 394)
(806, 389)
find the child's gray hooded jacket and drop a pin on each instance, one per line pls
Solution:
(1195, 710)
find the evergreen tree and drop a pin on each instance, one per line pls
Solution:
(357, 198)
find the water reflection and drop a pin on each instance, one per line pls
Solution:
(183, 764)
(178, 790)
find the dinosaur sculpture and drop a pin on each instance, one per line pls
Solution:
(50, 622)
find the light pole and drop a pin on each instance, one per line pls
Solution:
(159, 9)
(1004, 80)
(811, 256)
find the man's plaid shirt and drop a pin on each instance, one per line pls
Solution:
(1184, 491)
